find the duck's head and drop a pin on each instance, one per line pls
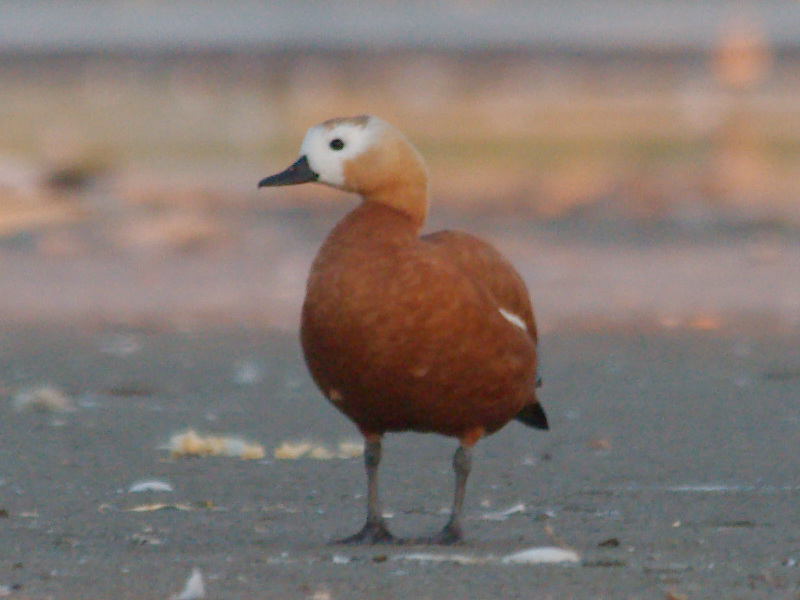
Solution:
(363, 155)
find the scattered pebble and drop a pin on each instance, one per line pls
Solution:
(605, 563)
(151, 485)
(599, 445)
(146, 538)
(609, 543)
(42, 398)
(193, 589)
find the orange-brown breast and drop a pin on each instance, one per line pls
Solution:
(399, 335)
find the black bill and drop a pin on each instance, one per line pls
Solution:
(299, 172)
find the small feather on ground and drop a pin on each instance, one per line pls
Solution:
(150, 485)
(193, 589)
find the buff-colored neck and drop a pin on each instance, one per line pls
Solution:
(394, 176)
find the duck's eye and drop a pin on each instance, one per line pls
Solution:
(336, 144)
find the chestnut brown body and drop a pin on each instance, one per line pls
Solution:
(400, 336)
(403, 332)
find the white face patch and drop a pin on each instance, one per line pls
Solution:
(513, 319)
(328, 148)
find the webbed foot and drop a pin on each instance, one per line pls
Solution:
(371, 533)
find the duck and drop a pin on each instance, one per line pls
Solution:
(403, 331)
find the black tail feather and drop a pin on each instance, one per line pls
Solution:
(533, 416)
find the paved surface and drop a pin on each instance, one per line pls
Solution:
(671, 469)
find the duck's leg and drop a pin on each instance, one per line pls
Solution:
(462, 465)
(374, 530)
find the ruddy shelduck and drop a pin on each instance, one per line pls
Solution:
(403, 332)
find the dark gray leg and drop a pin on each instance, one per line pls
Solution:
(462, 465)
(374, 530)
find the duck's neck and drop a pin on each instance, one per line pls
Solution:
(377, 223)
(411, 200)
(395, 177)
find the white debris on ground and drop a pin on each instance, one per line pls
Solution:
(529, 556)
(541, 555)
(159, 506)
(150, 485)
(43, 398)
(193, 589)
(502, 515)
(305, 449)
(459, 559)
(191, 443)
(292, 450)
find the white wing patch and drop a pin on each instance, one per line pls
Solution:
(513, 319)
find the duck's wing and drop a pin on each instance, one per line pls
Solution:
(482, 263)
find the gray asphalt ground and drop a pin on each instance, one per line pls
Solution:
(671, 469)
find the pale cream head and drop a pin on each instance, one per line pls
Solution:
(368, 156)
